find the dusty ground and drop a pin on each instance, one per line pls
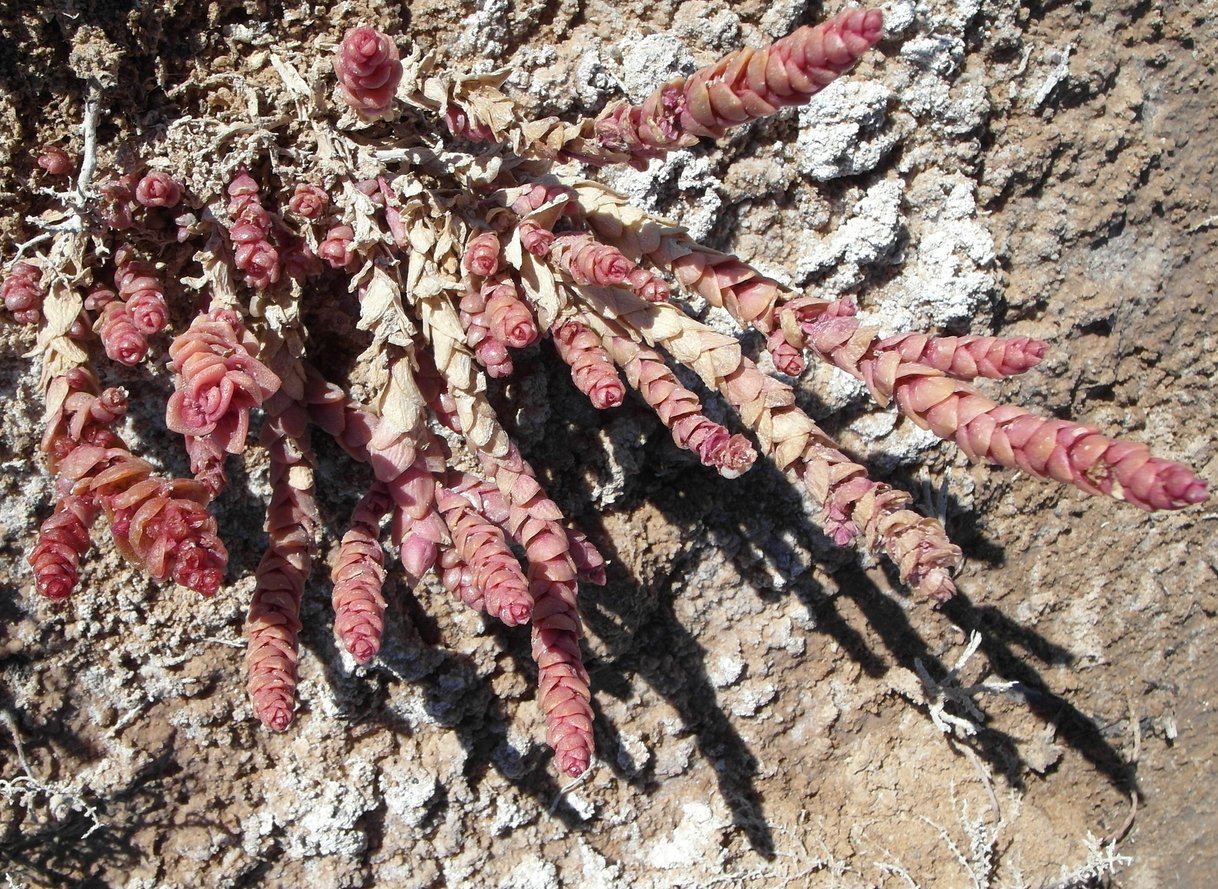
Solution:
(1046, 170)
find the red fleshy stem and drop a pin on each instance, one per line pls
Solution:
(588, 261)
(968, 357)
(1004, 434)
(680, 409)
(160, 524)
(273, 623)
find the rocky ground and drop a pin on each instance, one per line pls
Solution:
(770, 712)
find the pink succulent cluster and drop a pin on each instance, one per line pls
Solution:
(309, 202)
(490, 350)
(139, 287)
(336, 248)
(158, 189)
(120, 336)
(589, 261)
(482, 254)
(217, 380)
(162, 525)
(119, 202)
(368, 70)
(23, 293)
(55, 161)
(492, 579)
(63, 540)
(509, 319)
(251, 234)
(936, 395)
(967, 357)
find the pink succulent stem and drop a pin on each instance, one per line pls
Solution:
(533, 522)
(406, 466)
(254, 254)
(218, 379)
(563, 691)
(1004, 434)
(968, 357)
(743, 86)
(83, 417)
(588, 261)
(161, 525)
(680, 409)
(273, 623)
(497, 584)
(359, 576)
(336, 248)
(592, 369)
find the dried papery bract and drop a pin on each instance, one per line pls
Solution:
(437, 256)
